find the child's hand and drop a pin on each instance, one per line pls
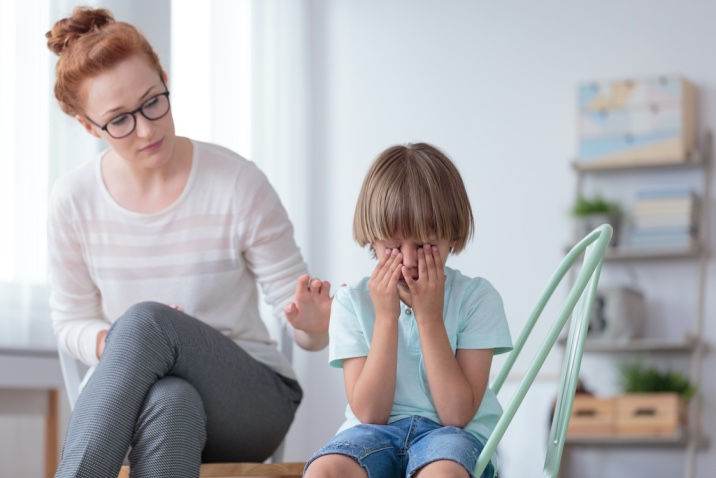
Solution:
(428, 292)
(311, 309)
(383, 284)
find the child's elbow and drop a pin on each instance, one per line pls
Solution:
(456, 422)
(456, 419)
(373, 418)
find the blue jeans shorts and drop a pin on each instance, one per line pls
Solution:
(402, 447)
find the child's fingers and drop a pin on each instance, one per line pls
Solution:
(397, 269)
(430, 252)
(383, 258)
(408, 278)
(422, 263)
(439, 265)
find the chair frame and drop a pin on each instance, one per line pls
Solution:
(579, 305)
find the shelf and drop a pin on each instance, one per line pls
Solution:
(695, 159)
(679, 440)
(624, 254)
(618, 254)
(687, 344)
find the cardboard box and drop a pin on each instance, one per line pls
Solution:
(591, 417)
(650, 414)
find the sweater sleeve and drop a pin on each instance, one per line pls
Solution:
(74, 298)
(266, 240)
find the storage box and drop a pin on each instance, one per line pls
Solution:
(636, 121)
(591, 417)
(650, 414)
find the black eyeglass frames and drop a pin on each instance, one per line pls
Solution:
(123, 125)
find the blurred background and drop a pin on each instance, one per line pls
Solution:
(312, 91)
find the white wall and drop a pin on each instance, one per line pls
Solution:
(494, 85)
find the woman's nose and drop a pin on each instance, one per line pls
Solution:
(145, 127)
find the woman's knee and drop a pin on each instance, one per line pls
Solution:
(173, 406)
(140, 319)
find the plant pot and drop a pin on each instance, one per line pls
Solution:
(583, 225)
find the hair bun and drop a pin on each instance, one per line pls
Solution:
(82, 21)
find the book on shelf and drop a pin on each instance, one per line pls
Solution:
(663, 219)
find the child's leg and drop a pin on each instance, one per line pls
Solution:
(438, 451)
(363, 451)
(334, 466)
(442, 469)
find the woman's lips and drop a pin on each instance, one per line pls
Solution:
(152, 147)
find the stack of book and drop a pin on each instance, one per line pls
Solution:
(663, 219)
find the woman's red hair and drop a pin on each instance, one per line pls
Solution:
(88, 43)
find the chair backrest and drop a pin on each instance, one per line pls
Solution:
(73, 370)
(72, 373)
(579, 305)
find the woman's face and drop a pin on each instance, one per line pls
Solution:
(123, 89)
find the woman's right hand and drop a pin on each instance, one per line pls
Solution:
(383, 284)
(100, 343)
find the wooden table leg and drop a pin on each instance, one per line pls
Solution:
(52, 426)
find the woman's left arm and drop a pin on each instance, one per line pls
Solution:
(273, 256)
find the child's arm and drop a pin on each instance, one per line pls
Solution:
(370, 381)
(457, 382)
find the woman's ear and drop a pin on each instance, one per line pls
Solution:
(89, 127)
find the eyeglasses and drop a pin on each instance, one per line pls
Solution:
(124, 124)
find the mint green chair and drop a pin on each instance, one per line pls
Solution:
(579, 305)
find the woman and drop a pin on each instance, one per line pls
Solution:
(156, 248)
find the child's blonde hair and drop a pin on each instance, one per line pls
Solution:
(414, 190)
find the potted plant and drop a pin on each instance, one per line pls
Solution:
(637, 378)
(654, 403)
(591, 212)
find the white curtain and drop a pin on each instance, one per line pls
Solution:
(238, 73)
(37, 143)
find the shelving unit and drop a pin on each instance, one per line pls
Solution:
(690, 345)
(685, 345)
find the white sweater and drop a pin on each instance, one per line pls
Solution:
(204, 253)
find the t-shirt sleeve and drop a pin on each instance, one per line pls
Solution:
(484, 323)
(348, 337)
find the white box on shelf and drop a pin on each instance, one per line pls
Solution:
(637, 121)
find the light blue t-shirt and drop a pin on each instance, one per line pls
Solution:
(474, 319)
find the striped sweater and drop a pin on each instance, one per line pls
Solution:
(206, 253)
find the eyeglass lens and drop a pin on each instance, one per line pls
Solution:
(153, 109)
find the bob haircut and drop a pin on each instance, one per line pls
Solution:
(88, 43)
(416, 191)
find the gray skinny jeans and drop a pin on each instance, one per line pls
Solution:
(179, 393)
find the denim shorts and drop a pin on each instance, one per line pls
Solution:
(402, 447)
